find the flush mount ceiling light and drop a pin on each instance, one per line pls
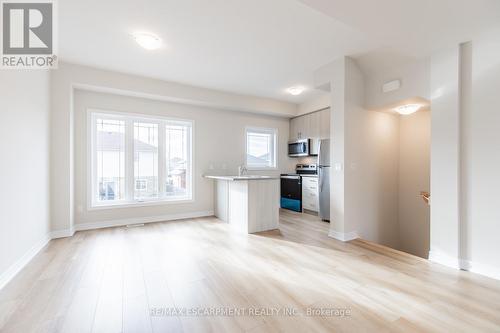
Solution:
(147, 40)
(295, 90)
(407, 109)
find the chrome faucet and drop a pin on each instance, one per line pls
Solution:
(241, 170)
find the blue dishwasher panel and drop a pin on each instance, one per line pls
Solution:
(291, 204)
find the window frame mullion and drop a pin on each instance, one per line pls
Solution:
(129, 160)
(162, 128)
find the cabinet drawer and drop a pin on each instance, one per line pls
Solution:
(310, 193)
(309, 182)
(313, 188)
(310, 206)
(310, 179)
(310, 201)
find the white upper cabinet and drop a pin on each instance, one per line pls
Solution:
(294, 129)
(305, 127)
(324, 128)
(315, 125)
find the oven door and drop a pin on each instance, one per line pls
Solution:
(298, 148)
(291, 193)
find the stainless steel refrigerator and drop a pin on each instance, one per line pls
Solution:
(324, 171)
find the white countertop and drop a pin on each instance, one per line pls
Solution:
(239, 178)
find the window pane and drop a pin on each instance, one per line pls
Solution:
(145, 160)
(176, 155)
(260, 149)
(110, 159)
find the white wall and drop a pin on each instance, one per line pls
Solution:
(481, 159)
(69, 76)
(445, 149)
(219, 138)
(383, 160)
(24, 167)
(371, 165)
(372, 195)
(466, 156)
(464, 86)
(365, 161)
(412, 142)
(414, 77)
(414, 176)
(319, 102)
(335, 74)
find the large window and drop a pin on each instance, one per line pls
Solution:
(261, 148)
(139, 159)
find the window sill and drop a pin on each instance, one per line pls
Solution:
(128, 204)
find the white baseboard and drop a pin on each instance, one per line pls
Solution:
(464, 264)
(16, 267)
(62, 233)
(442, 258)
(139, 220)
(343, 236)
(467, 265)
(486, 270)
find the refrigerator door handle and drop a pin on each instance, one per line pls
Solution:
(320, 179)
(319, 152)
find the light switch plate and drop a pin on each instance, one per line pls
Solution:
(338, 166)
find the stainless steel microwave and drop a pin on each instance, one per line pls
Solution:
(299, 148)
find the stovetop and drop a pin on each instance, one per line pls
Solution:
(304, 170)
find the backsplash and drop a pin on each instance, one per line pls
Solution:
(307, 160)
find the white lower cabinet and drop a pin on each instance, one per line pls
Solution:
(310, 193)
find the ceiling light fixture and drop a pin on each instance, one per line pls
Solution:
(147, 40)
(407, 109)
(295, 90)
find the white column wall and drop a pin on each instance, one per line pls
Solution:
(445, 156)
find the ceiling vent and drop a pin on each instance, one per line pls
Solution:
(391, 86)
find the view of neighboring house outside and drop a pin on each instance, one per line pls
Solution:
(176, 160)
(145, 160)
(261, 148)
(110, 155)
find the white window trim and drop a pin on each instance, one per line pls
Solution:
(274, 132)
(93, 204)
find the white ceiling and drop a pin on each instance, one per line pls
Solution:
(257, 47)
(408, 30)
(261, 47)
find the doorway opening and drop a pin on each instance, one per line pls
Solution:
(414, 183)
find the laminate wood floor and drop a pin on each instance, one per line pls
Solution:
(187, 276)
